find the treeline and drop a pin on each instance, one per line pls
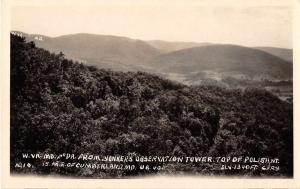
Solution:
(234, 82)
(61, 106)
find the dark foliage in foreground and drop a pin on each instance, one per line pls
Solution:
(58, 106)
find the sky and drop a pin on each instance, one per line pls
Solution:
(255, 24)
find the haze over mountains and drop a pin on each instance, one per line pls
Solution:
(168, 46)
(174, 60)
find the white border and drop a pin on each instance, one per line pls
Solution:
(154, 182)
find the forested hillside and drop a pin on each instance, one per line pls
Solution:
(60, 106)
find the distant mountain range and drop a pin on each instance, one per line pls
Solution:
(174, 60)
(285, 54)
(224, 59)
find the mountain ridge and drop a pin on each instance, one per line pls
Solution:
(126, 54)
(283, 53)
(225, 58)
(123, 53)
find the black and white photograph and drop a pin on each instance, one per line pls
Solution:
(138, 89)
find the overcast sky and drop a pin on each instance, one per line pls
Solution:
(249, 25)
